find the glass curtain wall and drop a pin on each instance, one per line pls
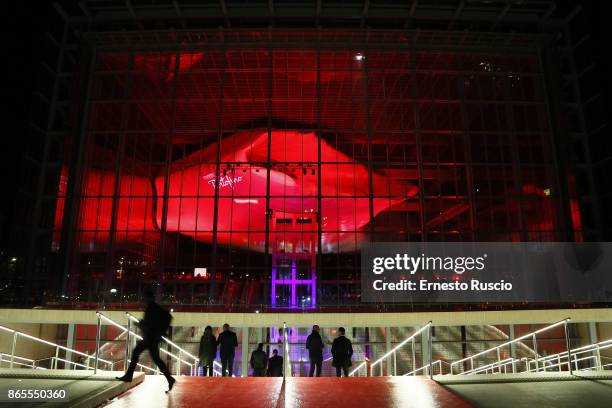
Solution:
(251, 176)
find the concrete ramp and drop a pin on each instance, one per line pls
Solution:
(584, 389)
(374, 392)
(84, 389)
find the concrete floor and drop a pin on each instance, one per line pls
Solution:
(583, 389)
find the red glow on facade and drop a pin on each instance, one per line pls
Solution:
(242, 194)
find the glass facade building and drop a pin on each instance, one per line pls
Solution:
(247, 168)
(239, 155)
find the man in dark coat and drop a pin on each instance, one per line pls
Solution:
(207, 351)
(259, 361)
(315, 346)
(227, 350)
(275, 365)
(154, 325)
(342, 351)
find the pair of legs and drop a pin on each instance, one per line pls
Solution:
(153, 346)
(315, 364)
(209, 369)
(259, 372)
(227, 366)
(344, 368)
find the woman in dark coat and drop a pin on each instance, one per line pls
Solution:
(208, 351)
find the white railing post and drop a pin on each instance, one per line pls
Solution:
(127, 345)
(56, 357)
(395, 364)
(98, 329)
(535, 352)
(285, 356)
(598, 358)
(568, 346)
(430, 340)
(13, 347)
(413, 355)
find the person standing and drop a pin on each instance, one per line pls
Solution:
(207, 351)
(275, 365)
(154, 325)
(227, 350)
(259, 361)
(315, 346)
(342, 351)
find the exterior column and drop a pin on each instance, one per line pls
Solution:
(389, 360)
(70, 343)
(244, 355)
(425, 351)
(592, 327)
(512, 346)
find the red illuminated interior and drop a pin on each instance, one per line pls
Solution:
(293, 192)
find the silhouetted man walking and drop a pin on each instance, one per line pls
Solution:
(315, 346)
(342, 351)
(154, 325)
(228, 342)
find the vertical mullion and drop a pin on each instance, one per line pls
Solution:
(213, 277)
(110, 252)
(417, 134)
(168, 161)
(319, 258)
(268, 215)
(74, 190)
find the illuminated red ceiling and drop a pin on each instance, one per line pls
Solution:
(242, 191)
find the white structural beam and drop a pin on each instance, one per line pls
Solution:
(50, 316)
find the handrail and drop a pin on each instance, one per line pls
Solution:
(387, 354)
(167, 340)
(501, 332)
(137, 364)
(17, 333)
(32, 363)
(518, 339)
(139, 337)
(497, 364)
(579, 350)
(602, 345)
(432, 364)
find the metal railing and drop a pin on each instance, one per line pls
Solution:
(54, 359)
(178, 358)
(396, 348)
(558, 360)
(426, 366)
(497, 349)
(22, 361)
